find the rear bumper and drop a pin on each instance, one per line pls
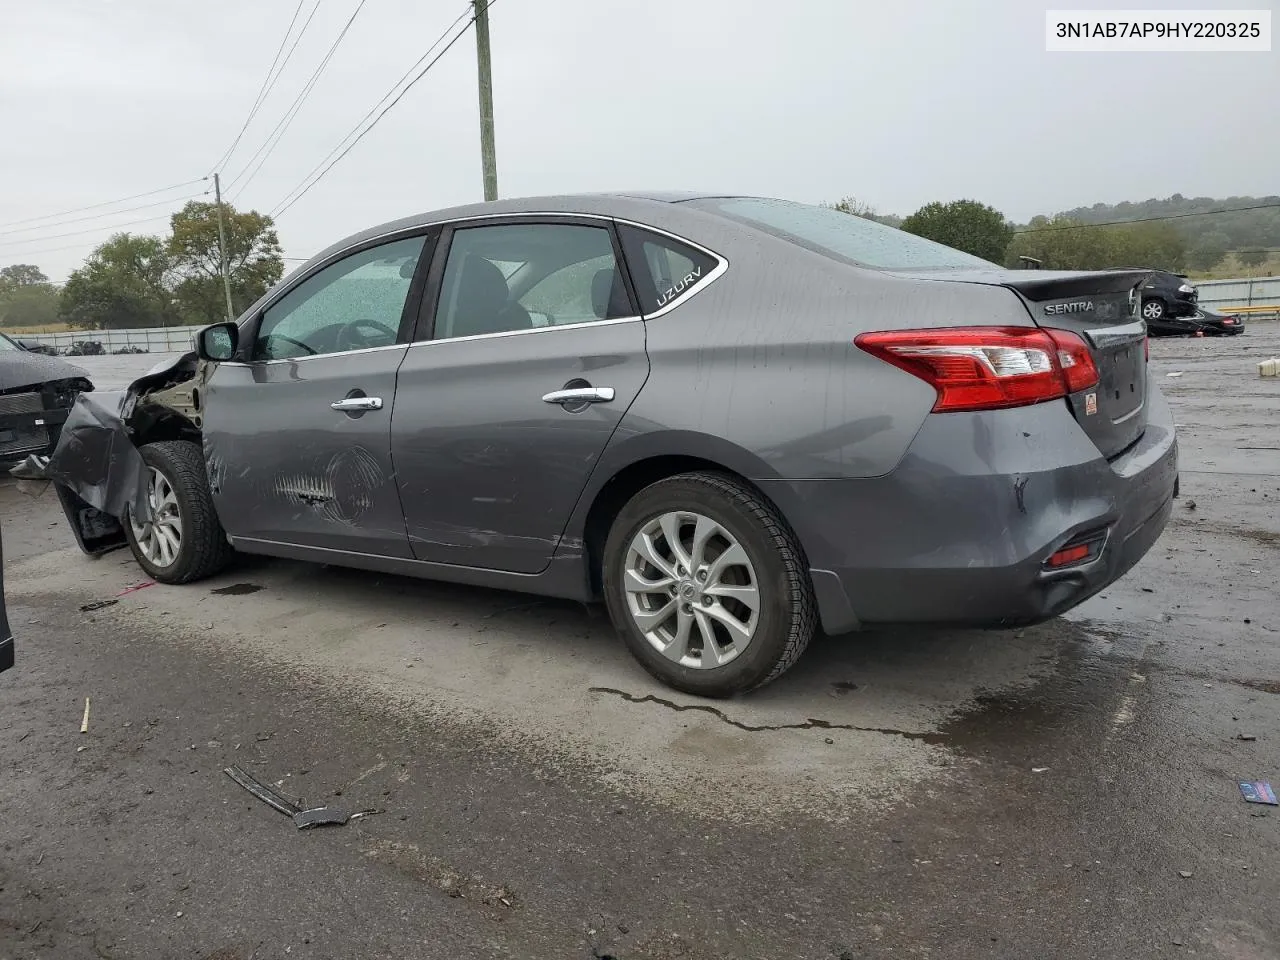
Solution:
(961, 531)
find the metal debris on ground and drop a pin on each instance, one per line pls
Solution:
(1258, 791)
(302, 818)
(97, 605)
(84, 724)
(1247, 737)
(268, 795)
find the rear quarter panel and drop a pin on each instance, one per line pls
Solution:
(763, 361)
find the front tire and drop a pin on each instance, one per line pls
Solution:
(184, 541)
(708, 585)
(1153, 310)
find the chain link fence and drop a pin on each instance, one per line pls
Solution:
(88, 343)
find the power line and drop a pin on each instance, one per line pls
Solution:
(269, 81)
(99, 216)
(75, 246)
(105, 203)
(273, 139)
(1170, 216)
(385, 111)
(80, 233)
(372, 110)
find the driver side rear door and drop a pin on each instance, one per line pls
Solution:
(297, 430)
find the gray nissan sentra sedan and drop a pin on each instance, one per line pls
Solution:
(736, 420)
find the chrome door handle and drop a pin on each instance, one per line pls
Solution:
(357, 403)
(580, 395)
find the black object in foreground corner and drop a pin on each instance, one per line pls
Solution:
(6, 636)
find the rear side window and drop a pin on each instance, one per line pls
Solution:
(664, 269)
(842, 235)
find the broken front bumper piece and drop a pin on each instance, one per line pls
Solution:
(99, 474)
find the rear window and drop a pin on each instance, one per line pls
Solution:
(841, 235)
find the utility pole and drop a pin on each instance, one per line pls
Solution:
(222, 247)
(488, 153)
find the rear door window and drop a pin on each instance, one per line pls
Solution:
(504, 278)
(665, 270)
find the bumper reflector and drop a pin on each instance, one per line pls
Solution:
(1070, 555)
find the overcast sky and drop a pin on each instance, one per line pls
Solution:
(895, 103)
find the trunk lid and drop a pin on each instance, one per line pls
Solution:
(1102, 307)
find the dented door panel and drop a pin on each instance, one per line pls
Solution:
(285, 466)
(489, 471)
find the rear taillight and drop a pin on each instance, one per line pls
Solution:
(1146, 349)
(987, 368)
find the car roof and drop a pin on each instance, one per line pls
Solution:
(616, 203)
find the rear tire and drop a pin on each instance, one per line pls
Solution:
(734, 549)
(185, 542)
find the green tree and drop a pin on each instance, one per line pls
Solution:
(21, 275)
(29, 305)
(964, 224)
(1209, 250)
(857, 208)
(125, 282)
(1064, 243)
(254, 261)
(1252, 258)
(1061, 243)
(27, 298)
(1159, 246)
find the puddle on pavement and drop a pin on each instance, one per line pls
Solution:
(1086, 678)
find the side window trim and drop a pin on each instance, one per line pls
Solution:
(249, 329)
(423, 330)
(633, 247)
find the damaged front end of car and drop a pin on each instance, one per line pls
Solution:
(95, 466)
(36, 396)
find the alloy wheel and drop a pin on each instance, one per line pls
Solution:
(691, 590)
(160, 538)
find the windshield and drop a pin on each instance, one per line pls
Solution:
(7, 344)
(842, 235)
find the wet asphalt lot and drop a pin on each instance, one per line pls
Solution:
(1064, 791)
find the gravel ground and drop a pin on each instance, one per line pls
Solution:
(1064, 791)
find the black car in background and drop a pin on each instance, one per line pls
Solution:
(1167, 295)
(36, 393)
(1203, 321)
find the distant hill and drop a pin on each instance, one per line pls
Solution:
(1244, 229)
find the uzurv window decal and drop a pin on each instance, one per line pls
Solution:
(673, 291)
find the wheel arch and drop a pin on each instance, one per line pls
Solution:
(154, 423)
(647, 459)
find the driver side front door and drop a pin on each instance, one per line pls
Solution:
(297, 431)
